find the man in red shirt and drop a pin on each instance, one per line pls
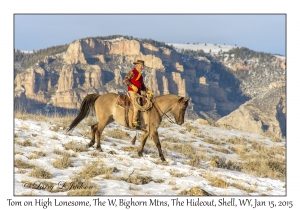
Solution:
(135, 83)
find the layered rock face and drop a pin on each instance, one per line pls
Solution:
(262, 118)
(99, 66)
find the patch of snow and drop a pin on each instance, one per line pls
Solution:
(127, 162)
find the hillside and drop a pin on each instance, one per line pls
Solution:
(201, 160)
(218, 82)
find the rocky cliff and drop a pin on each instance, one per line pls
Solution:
(216, 85)
(264, 114)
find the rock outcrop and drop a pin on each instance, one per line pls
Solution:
(265, 114)
(216, 86)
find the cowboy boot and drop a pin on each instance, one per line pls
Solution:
(135, 121)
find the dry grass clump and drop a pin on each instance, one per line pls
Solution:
(175, 173)
(39, 172)
(265, 166)
(211, 141)
(96, 168)
(222, 162)
(118, 134)
(236, 140)
(220, 149)
(19, 163)
(86, 133)
(216, 181)
(164, 124)
(129, 149)
(158, 180)
(21, 171)
(240, 150)
(190, 128)
(81, 187)
(195, 161)
(75, 146)
(25, 143)
(61, 152)
(185, 149)
(63, 162)
(137, 179)
(242, 187)
(195, 191)
(33, 156)
(18, 152)
(40, 153)
(171, 139)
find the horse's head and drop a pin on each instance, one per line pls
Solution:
(179, 110)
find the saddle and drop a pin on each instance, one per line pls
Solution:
(125, 102)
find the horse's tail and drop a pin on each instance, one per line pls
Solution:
(85, 108)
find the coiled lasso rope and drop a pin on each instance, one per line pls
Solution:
(144, 108)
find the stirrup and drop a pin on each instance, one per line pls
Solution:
(136, 123)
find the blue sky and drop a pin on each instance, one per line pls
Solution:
(264, 33)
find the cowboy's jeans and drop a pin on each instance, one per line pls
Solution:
(133, 96)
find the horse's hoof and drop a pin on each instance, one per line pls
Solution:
(99, 149)
(90, 144)
(163, 159)
(140, 154)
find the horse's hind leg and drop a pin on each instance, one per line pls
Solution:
(155, 138)
(99, 131)
(142, 143)
(93, 131)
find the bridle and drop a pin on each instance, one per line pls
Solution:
(181, 107)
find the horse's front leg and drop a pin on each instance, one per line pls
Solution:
(155, 138)
(93, 131)
(142, 143)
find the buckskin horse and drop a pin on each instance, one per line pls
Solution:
(107, 111)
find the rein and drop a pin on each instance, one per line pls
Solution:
(158, 109)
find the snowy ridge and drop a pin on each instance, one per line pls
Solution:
(170, 178)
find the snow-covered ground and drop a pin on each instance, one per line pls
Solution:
(172, 177)
(206, 47)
